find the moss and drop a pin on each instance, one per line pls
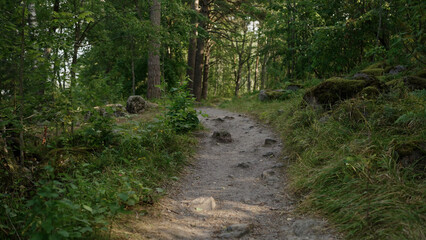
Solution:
(333, 90)
(374, 71)
(381, 64)
(370, 92)
(279, 94)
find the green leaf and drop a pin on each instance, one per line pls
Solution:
(88, 208)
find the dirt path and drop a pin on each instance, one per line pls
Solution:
(233, 190)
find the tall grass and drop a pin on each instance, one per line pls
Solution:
(345, 163)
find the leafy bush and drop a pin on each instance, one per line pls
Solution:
(181, 115)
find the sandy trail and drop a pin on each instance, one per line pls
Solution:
(232, 190)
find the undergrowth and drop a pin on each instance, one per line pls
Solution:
(349, 163)
(88, 178)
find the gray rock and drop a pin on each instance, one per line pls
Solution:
(278, 165)
(203, 204)
(229, 118)
(236, 231)
(397, 69)
(222, 136)
(135, 104)
(270, 141)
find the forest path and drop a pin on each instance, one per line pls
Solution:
(232, 190)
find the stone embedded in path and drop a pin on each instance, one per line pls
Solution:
(269, 175)
(229, 118)
(203, 204)
(236, 231)
(269, 154)
(244, 165)
(222, 136)
(270, 141)
(219, 119)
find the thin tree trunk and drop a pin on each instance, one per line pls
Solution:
(192, 48)
(263, 74)
(21, 87)
(154, 67)
(204, 92)
(133, 70)
(256, 72)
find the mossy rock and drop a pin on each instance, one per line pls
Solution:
(412, 154)
(278, 94)
(381, 65)
(333, 90)
(370, 92)
(421, 74)
(415, 83)
(374, 71)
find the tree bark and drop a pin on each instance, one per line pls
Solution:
(133, 69)
(192, 48)
(154, 68)
(204, 92)
(21, 87)
(199, 55)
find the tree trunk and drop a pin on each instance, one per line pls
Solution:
(263, 74)
(133, 70)
(192, 48)
(206, 70)
(256, 70)
(199, 55)
(154, 68)
(21, 87)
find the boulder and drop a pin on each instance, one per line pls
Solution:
(278, 94)
(135, 104)
(336, 89)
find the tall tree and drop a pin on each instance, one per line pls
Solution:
(154, 66)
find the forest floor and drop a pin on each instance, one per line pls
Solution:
(231, 190)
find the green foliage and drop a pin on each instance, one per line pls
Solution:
(82, 192)
(181, 115)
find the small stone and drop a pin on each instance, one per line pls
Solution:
(269, 174)
(269, 154)
(203, 204)
(231, 176)
(218, 120)
(229, 118)
(278, 165)
(270, 141)
(236, 231)
(222, 136)
(244, 165)
(251, 127)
